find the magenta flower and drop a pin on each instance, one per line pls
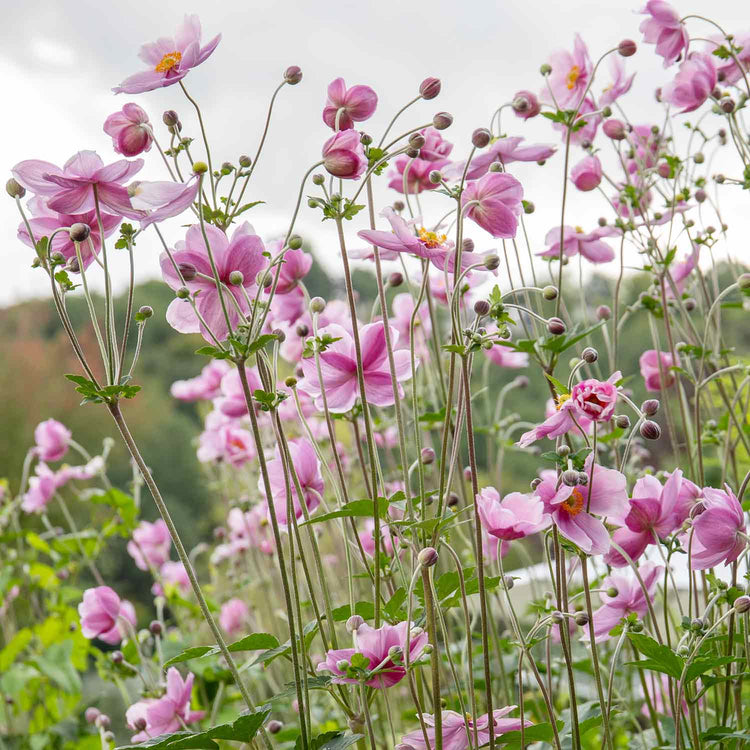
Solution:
(231, 398)
(166, 714)
(505, 151)
(41, 489)
(504, 356)
(233, 616)
(435, 148)
(525, 104)
(621, 83)
(457, 730)
(574, 509)
(130, 130)
(630, 598)
(346, 106)
(403, 309)
(174, 574)
(339, 368)
(344, 155)
(375, 644)
(150, 544)
(570, 74)
(593, 399)
(294, 267)
(203, 387)
(587, 174)
(494, 202)
(681, 271)
(655, 512)
(693, 83)
(307, 467)
(70, 190)
(515, 516)
(52, 439)
(417, 174)
(720, 534)
(575, 241)
(650, 362)
(243, 253)
(102, 614)
(170, 59)
(664, 29)
(162, 199)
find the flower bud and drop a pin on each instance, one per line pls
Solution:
(696, 624)
(302, 330)
(467, 473)
(650, 430)
(521, 382)
(435, 176)
(92, 714)
(614, 129)
(742, 604)
(482, 307)
(182, 293)
(200, 167)
(295, 242)
(395, 279)
(557, 616)
(429, 88)
(117, 657)
(570, 478)
(650, 406)
(700, 195)
(491, 262)
(556, 326)
(603, 312)
(187, 270)
(453, 500)
(428, 649)
(170, 118)
(622, 421)
(525, 105)
(727, 105)
(145, 311)
(398, 206)
(155, 627)
(245, 161)
(549, 292)
(442, 120)
(79, 232)
(317, 305)
(581, 619)
(412, 153)
(583, 478)
(481, 137)
(354, 623)
(274, 726)
(293, 75)
(416, 140)
(545, 69)
(220, 533)
(743, 282)
(236, 278)
(612, 592)
(15, 189)
(589, 355)
(102, 721)
(427, 557)
(563, 450)
(627, 47)
(342, 665)
(290, 382)
(318, 179)
(427, 456)
(664, 170)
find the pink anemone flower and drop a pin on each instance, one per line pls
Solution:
(494, 202)
(150, 544)
(587, 174)
(575, 241)
(570, 74)
(346, 106)
(720, 532)
(52, 439)
(233, 616)
(203, 387)
(515, 516)
(505, 151)
(344, 156)
(415, 173)
(664, 28)
(655, 369)
(130, 130)
(102, 614)
(693, 83)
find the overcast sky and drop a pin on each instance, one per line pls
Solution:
(60, 58)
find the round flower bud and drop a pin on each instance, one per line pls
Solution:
(302, 330)
(355, 622)
(612, 592)
(664, 170)
(290, 382)
(416, 140)
(412, 153)
(696, 624)
(622, 421)
(557, 616)
(200, 167)
(627, 47)
(491, 262)
(690, 304)
(556, 326)
(453, 500)
(295, 242)
(155, 627)
(245, 161)
(467, 473)
(521, 381)
(293, 75)
(442, 120)
(79, 232)
(581, 619)
(14, 188)
(317, 305)
(182, 293)
(102, 721)
(365, 139)
(427, 648)
(508, 582)
(227, 167)
(563, 450)
(549, 292)
(650, 430)
(342, 665)
(727, 105)
(615, 129)
(274, 726)
(700, 195)
(220, 533)
(429, 88)
(650, 406)
(535, 483)
(435, 177)
(545, 69)
(395, 279)
(57, 257)
(170, 118)
(481, 137)
(92, 714)
(525, 105)
(583, 478)
(570, 477)
(603, 312)
(236, 278)
(742, 604)
(496, 166)
(590, 355)
(427, 456)
(743, 282)
(145, 311)
(467, 245)
(427, 557)
(117, 657)
(318, 179)
(482, 307)
(312, 202)
(398, 206)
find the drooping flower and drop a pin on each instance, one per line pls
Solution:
(435, 148)
(41, 489)
(344, 155)
(52, 439)
(719, 531)
(167, 714)
(233, 616)
(680, 271)
(243, 253)
(630, 598)
(130, 130)
(505, 151)
(494, 202)
(339, 368)
(587, 174)
(664, 29)
(102, 613)
(203, 387)
(515, 516)
(693, 83)
(458, 729)
(575, 241)
(170, 58)
(593, 399)
(375, 645)
(655, 370)
(150, 544)
(70, 190)
(620, 85)
(570, 74)
(346, 106)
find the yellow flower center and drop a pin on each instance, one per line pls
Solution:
(168, 61)
(572, 77)
(561, 399)
(574, 504)
(431, 239)
(579, 230)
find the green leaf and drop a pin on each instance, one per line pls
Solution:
(366, 610)
(247, 207)
(330, 741)
(253, 642)
(191, 653)
(561, 387)
(123, 504)
(660, 658)
(536, 733)
(354, 509)
(559, 344)
(702, 665)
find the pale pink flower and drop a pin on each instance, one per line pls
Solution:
(417, 174)
(233, 616)
(587, 174)
(657, 379)
(681, 271)
(435, 148)
(130, 130)
(525, 104)
(344, 156)
(570, 74)
(103, 614)
(720, 531)
(150, 544)
(693, 83)
(621, 83)
(346, 106)
(575, 241)
(161, 200)
(52, 439)
(728, 71)
(231, 399)
(505, 150)
(504, 356)
(494, 202)
(586, 124)
(172, 573)
(388, 540)
(203, 387)
(41, 489)
(515, 516)
(664, 29)
(403, 309)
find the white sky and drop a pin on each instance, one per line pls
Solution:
(59, 59)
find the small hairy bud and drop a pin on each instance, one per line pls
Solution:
(318, 179)
(427, 557)
(155, 627)
(354, 623)
(549, 292)
(117, 657)
(590, 355)
(245, 161)
(398, 206)
(700, 195)
(416, 140)
(622, 421)
(92, 714)
(690, 304)
(200, 167)
(581, 619)
(467, 245)
(317, 305)
(412, 153)
(170, 118)
(612, 592)
(491, 262)
(274, 726)
(615, 129)
(79, 232)
(742, 604)
(482, 307)
(563, 450)
(627, 47)
(508, 582)
(603, 312)
(435, 176)
(545, 69)
(481, 137)
(280, 335)
(650, 430)
(496, 166)
(145, 311)
(570, 477)
(743, 282)
(236, 278)
(427, 456)
(452, 500)
(664, 170)
(521, 381)
(290, 382)
(395, 279)
(557, 616)
(696, 624)
(295, 242)
(15, 189)
(467, 473)
(429, 88)
(583, 478)
(302, 330)
(650, 406)
(103, 721)
(428, 649)
(342, 665)
(528, 207)
(442, 120)
(727, 105)
(293, 75)
(182, 293)
(556, 326)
